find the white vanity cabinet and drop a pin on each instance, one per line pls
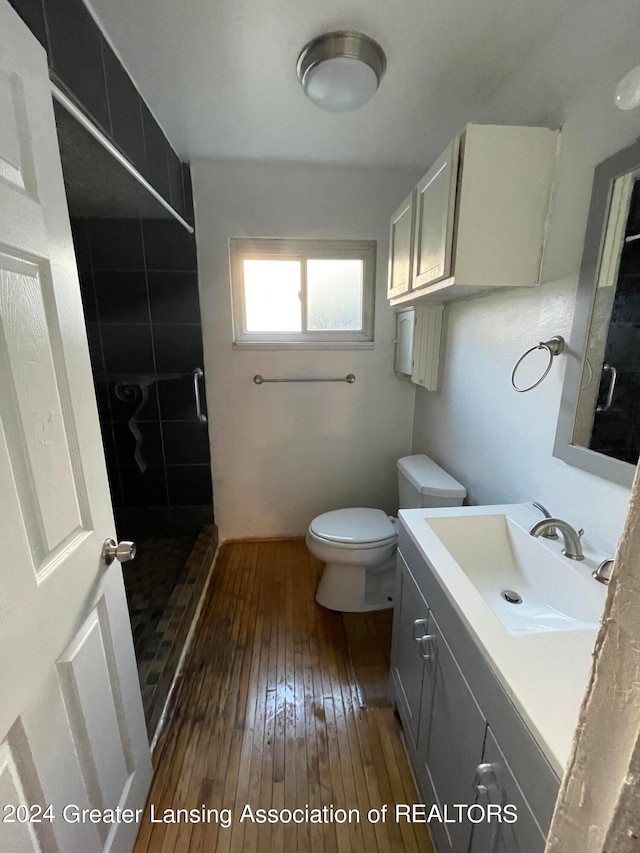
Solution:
(477, 220)
(465, 739)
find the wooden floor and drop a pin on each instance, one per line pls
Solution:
(282, 704)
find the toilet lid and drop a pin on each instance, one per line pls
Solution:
(353, 526)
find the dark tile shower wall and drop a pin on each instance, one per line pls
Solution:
(616, 431)
(83, 64)
(140, 292)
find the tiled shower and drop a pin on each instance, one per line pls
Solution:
(139, 286)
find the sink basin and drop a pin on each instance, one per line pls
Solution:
(526, 585)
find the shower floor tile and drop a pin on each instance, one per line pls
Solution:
(163, 587)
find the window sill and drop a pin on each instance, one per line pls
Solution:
(302, 345)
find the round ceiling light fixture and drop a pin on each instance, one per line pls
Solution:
(341, 71)
(628, 90)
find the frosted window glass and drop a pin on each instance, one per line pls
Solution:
(334, 295)
(272, 296)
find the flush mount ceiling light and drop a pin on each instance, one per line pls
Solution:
(628, 90)
(341, 71)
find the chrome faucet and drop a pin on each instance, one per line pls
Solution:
(550, 532)
(572, 546)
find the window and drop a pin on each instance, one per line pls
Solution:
(302, 293)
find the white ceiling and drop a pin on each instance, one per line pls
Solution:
(220, 74)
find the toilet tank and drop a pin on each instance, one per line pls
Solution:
(422, 483)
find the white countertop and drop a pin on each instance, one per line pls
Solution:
(545, 674)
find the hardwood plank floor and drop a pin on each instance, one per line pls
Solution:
(281, 704)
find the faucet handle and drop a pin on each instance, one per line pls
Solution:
(551, 533)
(603, 573)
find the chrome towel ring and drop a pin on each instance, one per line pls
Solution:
(554, 347)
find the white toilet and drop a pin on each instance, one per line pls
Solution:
(358, 545)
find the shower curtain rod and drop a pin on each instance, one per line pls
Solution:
(99, 136)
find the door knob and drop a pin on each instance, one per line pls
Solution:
(121, 551)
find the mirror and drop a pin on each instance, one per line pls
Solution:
(599, 421)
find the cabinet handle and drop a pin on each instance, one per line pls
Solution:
(423, 642)
(420, 624)
(485, 781)
(487, 784)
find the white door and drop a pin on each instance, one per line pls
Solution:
(72, 733)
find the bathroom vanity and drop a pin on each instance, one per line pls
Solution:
(488, 690)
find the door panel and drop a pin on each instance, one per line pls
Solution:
(408, 665)
(455, 744)
(523, 836)
(47, 480)
(435, 202)
(71, 721)
(91, 705)
(16, 164)
(400, 248)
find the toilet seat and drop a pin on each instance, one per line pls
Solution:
(354, 528)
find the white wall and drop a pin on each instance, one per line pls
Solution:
(497, 442)
(284, 453)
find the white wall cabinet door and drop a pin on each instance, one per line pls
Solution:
(401, 248)
(426, 346)
(405, 325)
(72, 730)
(434, 216)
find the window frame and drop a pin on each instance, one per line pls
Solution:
(285, 249)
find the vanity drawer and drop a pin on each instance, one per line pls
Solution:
(536, 777)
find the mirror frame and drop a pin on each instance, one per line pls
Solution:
(625, 161)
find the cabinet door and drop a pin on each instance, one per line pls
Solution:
(410, 624)
(455, 743)
(496, 784)
(405, 323)
(401, 248)
(426, 346)
(433, 229)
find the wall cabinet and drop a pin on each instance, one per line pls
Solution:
(418, 333)
(466, 741)
(477, 220)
